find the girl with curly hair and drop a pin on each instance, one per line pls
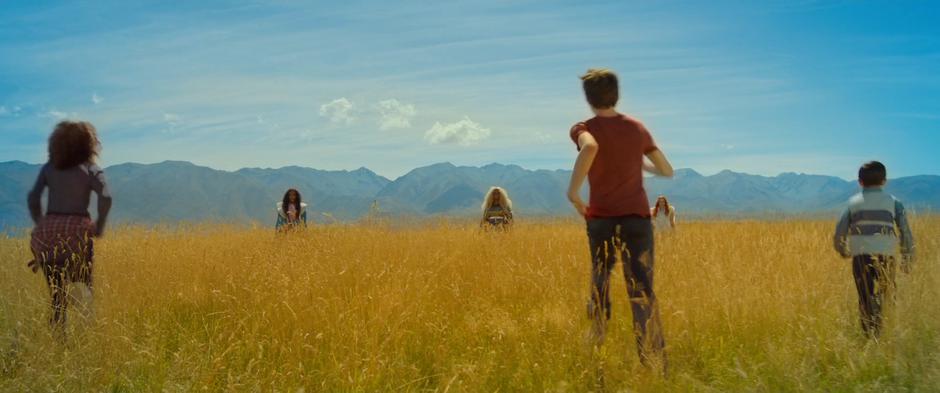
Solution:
(497, 209)
(62, 240)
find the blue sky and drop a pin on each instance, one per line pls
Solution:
(760, 87)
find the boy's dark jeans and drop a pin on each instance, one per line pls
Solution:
(632, 238)
(874, 279)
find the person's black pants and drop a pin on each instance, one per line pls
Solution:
(632, 238)
(874, 280)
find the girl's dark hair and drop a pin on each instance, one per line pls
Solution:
(656, 206)
(73, 143)
(286, 201)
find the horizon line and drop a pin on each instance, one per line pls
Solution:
(454, 165)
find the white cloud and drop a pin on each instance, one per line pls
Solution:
(55, 114)
(309, 135)
(464, 132)
(544, 137)
(14, 111)
(339, 111)
(395, 114)
(172, 120)
(260, 119)
(96, 99)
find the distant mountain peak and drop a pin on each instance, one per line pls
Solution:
(14, 162)
(175, 162)
(687, 173)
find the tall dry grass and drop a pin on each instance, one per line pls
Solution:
(746, 305)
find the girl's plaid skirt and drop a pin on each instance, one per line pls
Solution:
(63, 244)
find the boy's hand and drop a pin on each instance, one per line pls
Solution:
(578, 203)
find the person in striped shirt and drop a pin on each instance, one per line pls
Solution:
(870, 231)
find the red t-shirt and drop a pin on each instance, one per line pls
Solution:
(616, 176)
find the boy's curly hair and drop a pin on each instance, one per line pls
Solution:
(73, 143)
(600, 88)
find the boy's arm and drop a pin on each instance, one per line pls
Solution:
(907, 239)
(588, 148)
(658, 164)
(839, 240)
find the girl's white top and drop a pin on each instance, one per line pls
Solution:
(662, 220)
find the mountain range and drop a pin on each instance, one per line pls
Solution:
(173, 190)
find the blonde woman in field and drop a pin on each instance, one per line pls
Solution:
(291, 212)
(664, 214)
(497, 209)
(62, 241)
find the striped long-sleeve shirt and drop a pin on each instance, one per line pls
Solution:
(874, 223)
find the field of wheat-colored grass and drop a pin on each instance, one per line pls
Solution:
(747, 306)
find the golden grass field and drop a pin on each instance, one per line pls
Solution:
(747, 306)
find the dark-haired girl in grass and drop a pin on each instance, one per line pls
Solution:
(62, 242)
(291, 212)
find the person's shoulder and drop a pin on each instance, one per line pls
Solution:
(93, 168)
(631, 119)
(634, 124)
(897, 202)
(45, 168)
(856, 199)
(580, 126)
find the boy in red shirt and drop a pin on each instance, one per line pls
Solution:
(614, 150)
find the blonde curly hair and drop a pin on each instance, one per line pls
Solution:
(504, 200)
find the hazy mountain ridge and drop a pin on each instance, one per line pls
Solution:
(175, 190)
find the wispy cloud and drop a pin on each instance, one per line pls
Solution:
(339, 111)
(172, 120)
(464, 132)
(546, 138)
(96, 99)
(395, 114)
(57, 114)
(14, 111)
